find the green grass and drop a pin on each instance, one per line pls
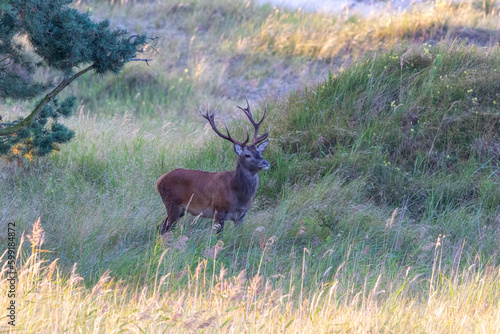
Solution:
(343, 157)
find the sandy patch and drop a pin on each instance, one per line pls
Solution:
(363, 7)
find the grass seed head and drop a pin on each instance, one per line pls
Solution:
(37, 236)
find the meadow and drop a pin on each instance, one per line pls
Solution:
(380, 212)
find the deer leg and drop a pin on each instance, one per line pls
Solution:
(220, 218)
(160, 228)
(174, 212)
(237, 222)
(220, 227)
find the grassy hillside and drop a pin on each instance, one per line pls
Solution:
(381, 210)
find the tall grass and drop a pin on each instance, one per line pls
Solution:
(463, 299)
(343, 157)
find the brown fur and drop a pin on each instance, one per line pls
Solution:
(222, 196)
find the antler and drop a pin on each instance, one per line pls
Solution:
(256, 138)
(210, 118)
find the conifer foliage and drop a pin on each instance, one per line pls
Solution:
(51, 35)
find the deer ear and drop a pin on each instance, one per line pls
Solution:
(262, 146)
(238, 149)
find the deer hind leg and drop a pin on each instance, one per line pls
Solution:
(174, 212)
(220, 227)
(220, 218)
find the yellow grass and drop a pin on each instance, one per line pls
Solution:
(48, 301)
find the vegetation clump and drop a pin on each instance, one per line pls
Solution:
(408, 119)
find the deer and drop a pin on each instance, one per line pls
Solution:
(223, 195)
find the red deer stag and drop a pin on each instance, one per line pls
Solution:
(223, 195)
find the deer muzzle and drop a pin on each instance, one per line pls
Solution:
(264, 164)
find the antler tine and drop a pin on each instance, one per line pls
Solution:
(235, 141)
(265, 135)
(261, 138)
(210, 118)
(256, 138)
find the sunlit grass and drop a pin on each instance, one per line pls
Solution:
(461, 299)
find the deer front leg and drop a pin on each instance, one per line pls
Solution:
(240, 219)
(162, 228)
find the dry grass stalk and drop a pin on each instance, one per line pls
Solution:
(390, 221)
(37, 236)
(68, 307)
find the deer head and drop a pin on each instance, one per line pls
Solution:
(249, 156)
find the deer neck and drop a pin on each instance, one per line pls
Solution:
(245, 183)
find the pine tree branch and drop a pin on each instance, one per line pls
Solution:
(140, 59)
(27, 121)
